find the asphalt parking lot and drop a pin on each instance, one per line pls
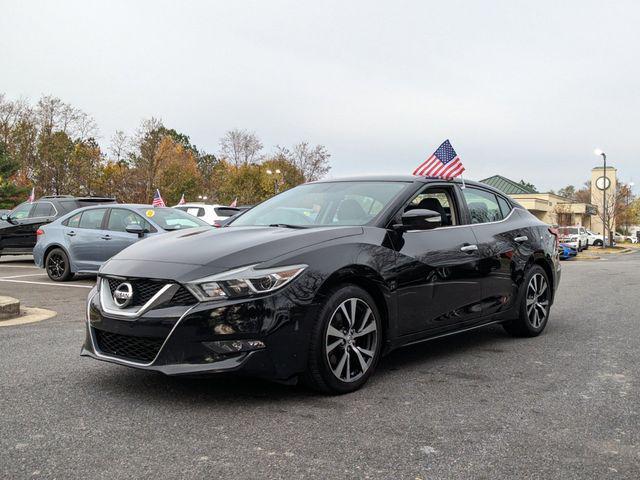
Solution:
(477, 405)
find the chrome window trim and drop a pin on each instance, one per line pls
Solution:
(108, 305)
(468, 225)
(122, 361)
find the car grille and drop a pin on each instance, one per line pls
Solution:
(144, 290)
(141, 349)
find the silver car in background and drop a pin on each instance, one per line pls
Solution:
(81, 241)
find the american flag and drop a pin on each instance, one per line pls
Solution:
(157, 199)
(182, 200)
(444, 163)
(234, 204)
(32, 195)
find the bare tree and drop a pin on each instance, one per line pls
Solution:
(120, 147)
(616, 206)
(240, 147)
(313, 162)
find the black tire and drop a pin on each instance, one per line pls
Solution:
(532, 302)
(321, 366)
(586, 246)
(597, 243)
(58, 266)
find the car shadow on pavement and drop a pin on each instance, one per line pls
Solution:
(224, 389)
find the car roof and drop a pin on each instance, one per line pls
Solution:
(199, 204)
(411, 179)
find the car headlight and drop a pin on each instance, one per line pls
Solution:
(242, 282)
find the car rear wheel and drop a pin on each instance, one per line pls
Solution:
(345, 342)
(597, 243)
(534, 307)
(58, 266)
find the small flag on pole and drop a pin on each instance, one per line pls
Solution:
(32, 195)
(234, 203)
(182, 200)
(444, 163)
(157, 199)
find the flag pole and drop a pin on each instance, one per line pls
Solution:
(462, 178)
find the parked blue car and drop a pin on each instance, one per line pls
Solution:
(81, 241)
(566, 251)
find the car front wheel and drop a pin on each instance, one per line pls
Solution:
(345, 342)
(534, 305)
(58, 266)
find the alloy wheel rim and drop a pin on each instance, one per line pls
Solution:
(56, 265)
(537, 300)
(351, 340)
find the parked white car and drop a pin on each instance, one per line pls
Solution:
(212, 214)
(620, 238)
(576, 237)
(595, 239)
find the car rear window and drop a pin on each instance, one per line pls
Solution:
(195, 211)
(43, 209)
(483, 206)
(226, 211)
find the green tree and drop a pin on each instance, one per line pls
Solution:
(528, 185)
(10, 193)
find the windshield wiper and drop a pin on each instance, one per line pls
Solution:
(286, 225)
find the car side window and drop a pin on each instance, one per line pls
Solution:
(436, 199)
(21, 211)
(505, 207)
(119, 218)
(92, 218)
(483, 206)
(43, 209)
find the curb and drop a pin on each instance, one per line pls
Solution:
(29, 315)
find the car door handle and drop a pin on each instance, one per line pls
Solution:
(469, 248)
(71, 234)
(521, 239)
(106, 237)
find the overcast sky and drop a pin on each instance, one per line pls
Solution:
(522, 89)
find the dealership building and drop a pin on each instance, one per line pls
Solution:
(549, 207)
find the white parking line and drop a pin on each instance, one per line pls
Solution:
(50, 284)
(3, 265)
(26, 275)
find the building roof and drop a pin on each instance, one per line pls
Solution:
(507, 186)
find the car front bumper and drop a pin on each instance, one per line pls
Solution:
(188, 339)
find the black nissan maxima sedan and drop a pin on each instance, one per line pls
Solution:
(318, 283)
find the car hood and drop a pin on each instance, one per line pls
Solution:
(208, 251)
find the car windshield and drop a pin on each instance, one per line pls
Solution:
(171, 218)
(568, 231)
(324, 204)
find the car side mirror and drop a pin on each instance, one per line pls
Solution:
(420, 219)
(135, 228)
(4, 217)
(7, 218)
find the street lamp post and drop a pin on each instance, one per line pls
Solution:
(275, 179)
(599, 152)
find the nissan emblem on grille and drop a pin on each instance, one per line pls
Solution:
(123, 295)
